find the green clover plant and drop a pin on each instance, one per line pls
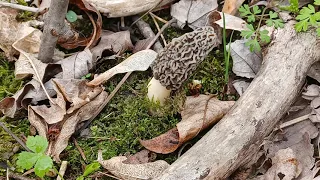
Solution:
(256, 35)
(308, 17)
(37, 158)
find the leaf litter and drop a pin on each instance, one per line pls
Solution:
(289, 149)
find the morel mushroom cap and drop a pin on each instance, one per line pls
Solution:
(176, 62)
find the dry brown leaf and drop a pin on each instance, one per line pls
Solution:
(149, 170)
(296, 137)
(141, 44)
(11, 30)
(199, 113)
(115, 42)
(192, 12)
(232, 6)
(140, 157)
(70, 124)
(231, 22)
(82, 101)
(139, 61)
(285, 165)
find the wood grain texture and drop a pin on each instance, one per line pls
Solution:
(237, 137)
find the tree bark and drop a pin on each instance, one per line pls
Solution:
(238, 136)
(53, 27)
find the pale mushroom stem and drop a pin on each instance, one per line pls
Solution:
(157, 92)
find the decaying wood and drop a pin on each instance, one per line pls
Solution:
(237, 137)
(112, 8)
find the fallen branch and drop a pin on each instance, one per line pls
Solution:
(238, 136)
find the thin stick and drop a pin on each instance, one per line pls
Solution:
(17, 176)
(79, 149)
(123, 79)
(161, 30)
(35, 71)
(20, 7)
(150, 10)
(109, 175)
(13, 135)
(293, 121)
(158, 28)
(62, 169)
(157, 17)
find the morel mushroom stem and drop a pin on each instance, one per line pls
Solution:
(157, 92)
(178, 60)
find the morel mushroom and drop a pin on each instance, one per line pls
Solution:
(176, 62)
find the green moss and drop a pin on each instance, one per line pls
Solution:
(211, 74)
(126, 119)
(8, 84)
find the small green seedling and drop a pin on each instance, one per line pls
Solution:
(37, 158)
(87, 76)
(294, 6)
(71, 16)
(255, 35)
(308, 17)
(93, 167)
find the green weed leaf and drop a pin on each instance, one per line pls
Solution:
(256, 9)
(27, 160)
(246, 12)
(248, 33)
(278, 23)
(91, 168)
(317, 2)
(302, 25)
(318, 31)
(294, 6)
(253, 45)
(43, 165)
(264, 36)
(37, 144)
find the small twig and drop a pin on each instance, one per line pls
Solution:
(20, 7)
(79, 149)
(159, 18)
(293, 121)
(17, 176)
(109, 175)
(62, 169)
(182, 148)
(122, 22)
(13, 135)
(160, 32)
(150, 10)
(158, 28)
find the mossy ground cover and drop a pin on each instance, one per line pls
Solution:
(128, 117)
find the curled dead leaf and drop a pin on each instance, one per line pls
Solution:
(148, 170)
(199, 113)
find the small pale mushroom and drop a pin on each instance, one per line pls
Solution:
(178, 60)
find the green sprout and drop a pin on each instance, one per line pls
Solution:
(41, 162)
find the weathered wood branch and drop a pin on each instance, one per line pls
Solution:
(237, 137)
